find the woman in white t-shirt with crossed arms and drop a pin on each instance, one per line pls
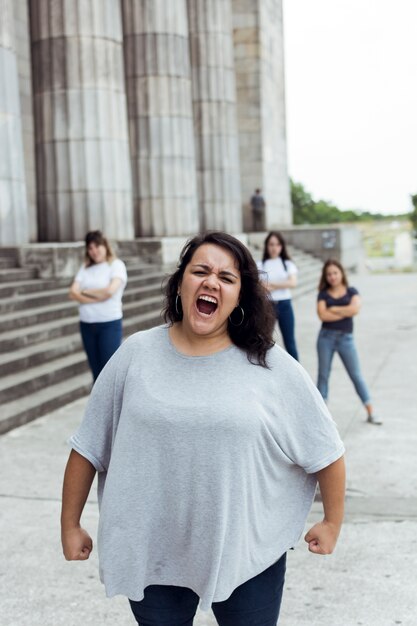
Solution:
(280, 276)
(98, 287)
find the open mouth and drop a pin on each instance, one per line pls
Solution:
(206, 305)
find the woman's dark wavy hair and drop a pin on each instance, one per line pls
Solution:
(323, 284)
(284, 252)
(254, 335)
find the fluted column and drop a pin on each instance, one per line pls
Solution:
(24, 66)
(259, 63)
(160, 116)
(82, 149)
(13, 209)
(215, 124)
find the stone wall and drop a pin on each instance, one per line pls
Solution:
(14, 219)
(215, 123)
(23, 56)
(158, 77)
(343, 243)
(160, 127)
(82, 150)
(259, 62)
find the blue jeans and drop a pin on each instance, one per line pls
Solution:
(100, 341)
(329, 342)
(286, 322)
(254, 603)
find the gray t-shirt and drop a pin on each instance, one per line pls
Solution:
(206, 464)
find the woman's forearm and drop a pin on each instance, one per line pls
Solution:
(97, 295)
(344, 311)
(78, 478)
(290, 283)
(81, 299)
(329, 316)
(106, 292)
(322, 537)
(332, 480)
(284, 285)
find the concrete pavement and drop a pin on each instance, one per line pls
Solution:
(370, 580)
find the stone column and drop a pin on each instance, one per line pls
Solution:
(160, 116)
(215, 124)
(259, 63)
(82, 149)
(23, 56)
(13, 212)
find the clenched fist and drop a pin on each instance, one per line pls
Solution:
(322, 537)
(76, 544)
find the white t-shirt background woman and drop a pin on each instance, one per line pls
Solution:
(98, 287)
(279, 274)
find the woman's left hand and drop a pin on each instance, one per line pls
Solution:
(322, 537)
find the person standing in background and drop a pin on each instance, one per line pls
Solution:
(337, 304)
(257, 204)
(279, 274)
(98, 288)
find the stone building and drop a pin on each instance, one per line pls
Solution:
(144, 118)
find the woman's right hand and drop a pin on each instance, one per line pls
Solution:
(76, 544)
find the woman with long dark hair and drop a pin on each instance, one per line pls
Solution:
(98, 288)
(208, 441)
(279, 274)
(337, 305)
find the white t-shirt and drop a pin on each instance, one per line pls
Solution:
(98, 276)
(274, 271)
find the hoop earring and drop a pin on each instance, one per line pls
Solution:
(243, 317)
(176, 304)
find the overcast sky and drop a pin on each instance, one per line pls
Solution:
(351, 89)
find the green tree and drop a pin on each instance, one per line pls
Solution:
(302, 204)
(307, 211)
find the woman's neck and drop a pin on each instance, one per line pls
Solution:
(190, 343)
(336, 289)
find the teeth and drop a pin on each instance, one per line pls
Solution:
(208, 299)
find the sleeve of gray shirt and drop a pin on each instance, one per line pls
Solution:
(95, 436)
(309, 436)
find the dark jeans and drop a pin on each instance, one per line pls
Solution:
(254, 603)
(258, 221)
(286, 322)
(100, 341)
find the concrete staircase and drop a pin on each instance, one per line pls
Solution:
(42, 363)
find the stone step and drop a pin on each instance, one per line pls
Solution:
(62, 310)
(18, 385)
(140, 286)
(6, 262)
(139, 269)
(25, 408)
(28, 408)
(18, 336)
(38, 353)
(17, 273)
(21, 288)
(31, 355)
(10, 252)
